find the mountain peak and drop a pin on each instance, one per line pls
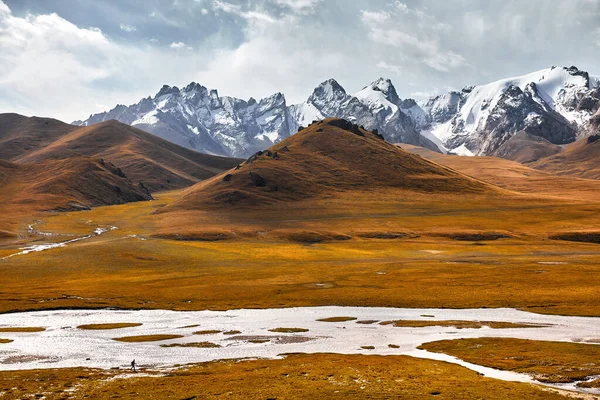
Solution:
(329, 90)
(193, 86)
(166, 89)
(385, 86)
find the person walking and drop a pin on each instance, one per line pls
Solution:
(133, 366)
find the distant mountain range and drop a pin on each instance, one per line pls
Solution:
(554, 105)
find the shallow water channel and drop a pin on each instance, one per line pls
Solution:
(62, 344)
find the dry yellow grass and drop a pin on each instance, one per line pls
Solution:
(4, 341)
(200, 345)
(22, 329)
(593, 384)
(521, 178)
(147, 338)
(207, 332)
(118, 325)
(402, 253)
(337, 319)
(319, 376)
(458, 324)
(256, 270)
(553, 362)
(288, 330)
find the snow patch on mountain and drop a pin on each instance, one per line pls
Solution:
(554, 103)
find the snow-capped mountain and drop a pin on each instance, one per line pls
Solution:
(199, 119)
(555, 104)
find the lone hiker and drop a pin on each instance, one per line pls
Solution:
(133, 366)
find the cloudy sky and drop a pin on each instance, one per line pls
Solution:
(67, 59)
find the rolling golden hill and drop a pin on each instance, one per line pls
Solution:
(514, 176)
(77, 183)
(327, 158)
(580, 159)
(157, 163)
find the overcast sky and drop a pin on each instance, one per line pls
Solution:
(67, 59)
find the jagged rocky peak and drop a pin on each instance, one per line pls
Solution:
(408, 103)
(194, 87)
(552, 103)
(573, 70)
(274, 100)
(443, 107)
(385, 86)
(166, 89)
(329, 90)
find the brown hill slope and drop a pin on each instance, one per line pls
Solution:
(580, 159)
(525, 148)
(20, 135)
(327, 158)
(514, 176)
(72, 184)
(157, 163)
(57, 185)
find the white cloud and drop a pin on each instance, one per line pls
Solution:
(383, 29)
(374, 17)
(401, 7)
(128, 28)
(179, 45)
(396, 69)
(249, 15)
(427, 51)
(42, 55)
(300, 6)
(52, 67)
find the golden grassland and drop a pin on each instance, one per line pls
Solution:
(199, 345)
(458, 324)
(553, 362)
(288, 330)
(389, 248)
(336, 319)
(256, 268)
(146, 338)
(207, 332)
(593, 384)
(319, 376)
(116, 325)
(19, 329)
(4, 341)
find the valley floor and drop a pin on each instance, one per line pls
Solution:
(387, 250)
